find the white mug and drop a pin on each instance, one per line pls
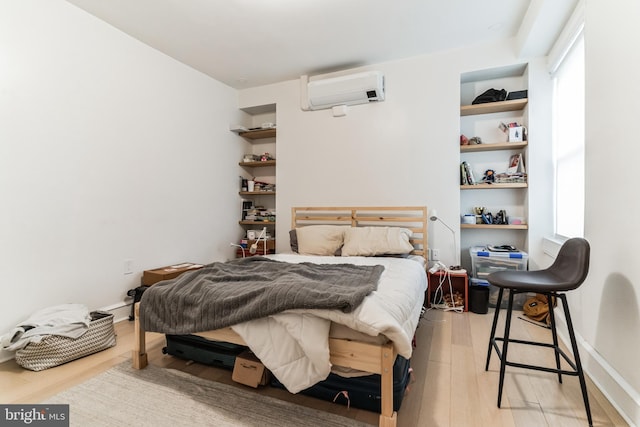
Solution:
(469, 219)
(251, 185)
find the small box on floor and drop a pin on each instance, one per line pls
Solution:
(248, 370)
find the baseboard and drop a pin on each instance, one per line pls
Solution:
(120, 311)
(6, 355)
(619, 392)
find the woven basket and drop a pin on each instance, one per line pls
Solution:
(54, 350)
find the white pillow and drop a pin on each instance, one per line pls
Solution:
(371, 241)
(320, 239)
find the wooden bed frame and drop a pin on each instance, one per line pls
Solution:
(374, 358)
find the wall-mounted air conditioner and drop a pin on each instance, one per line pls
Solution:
(351, 89)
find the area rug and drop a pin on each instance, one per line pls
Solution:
(123, 396)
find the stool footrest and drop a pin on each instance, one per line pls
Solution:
(557, 349)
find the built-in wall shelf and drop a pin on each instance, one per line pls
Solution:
(257, 193)
(493, 107)
(493, 146)
(494, 186)
(259, 133)
(264, 223)
(496, 226)
(258, 164)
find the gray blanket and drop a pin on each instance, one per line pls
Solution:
(226, 293)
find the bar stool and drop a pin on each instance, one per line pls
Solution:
(568, 272)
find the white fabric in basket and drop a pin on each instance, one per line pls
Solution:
(67, 320)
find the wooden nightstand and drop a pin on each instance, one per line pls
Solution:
(459, 282)
(149, 277)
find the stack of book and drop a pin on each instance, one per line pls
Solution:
(515, 172)
(259, 214)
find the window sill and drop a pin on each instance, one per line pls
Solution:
(551, 245)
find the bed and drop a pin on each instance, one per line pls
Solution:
(356, 341)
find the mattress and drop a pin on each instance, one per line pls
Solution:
(391, 313)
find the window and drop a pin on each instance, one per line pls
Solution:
(568, 141)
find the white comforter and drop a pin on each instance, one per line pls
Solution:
(294, 344)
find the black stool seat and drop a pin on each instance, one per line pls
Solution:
(530, 281)
(567, 273)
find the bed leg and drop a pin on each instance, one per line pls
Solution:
(139, 354)
(388, 421)
(388, 417)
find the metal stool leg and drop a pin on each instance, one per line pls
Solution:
(554, 333)
(505, 345)
(576, 357)
(493, 329)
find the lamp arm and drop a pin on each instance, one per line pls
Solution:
(455, 241)
(254, 246)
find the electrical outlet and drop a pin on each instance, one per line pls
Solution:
(128, 266)
(435, 254)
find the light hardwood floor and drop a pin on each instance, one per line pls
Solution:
(449, 388)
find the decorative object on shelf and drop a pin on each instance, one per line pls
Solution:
(516, 134)
(489, 176)
(515, 131)
(464, 140)
(468, 219)
(487, 218)
(500, 218)
(516, 220)
(265, 157)
(476, 140)
(434, 217)
(478, 210)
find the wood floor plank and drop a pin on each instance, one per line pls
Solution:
(450, 385)
(435, 408)
(419, 362)
(441, 340)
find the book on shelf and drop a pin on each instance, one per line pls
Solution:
(466, 174)
(463, 175)
(516, 164)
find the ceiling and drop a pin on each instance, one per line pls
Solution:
(247, 43)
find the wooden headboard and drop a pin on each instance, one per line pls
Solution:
(412, 217)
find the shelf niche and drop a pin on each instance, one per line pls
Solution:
(482, 120)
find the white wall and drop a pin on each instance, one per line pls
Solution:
(109, 150)
(607, 306)
(403, 151)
